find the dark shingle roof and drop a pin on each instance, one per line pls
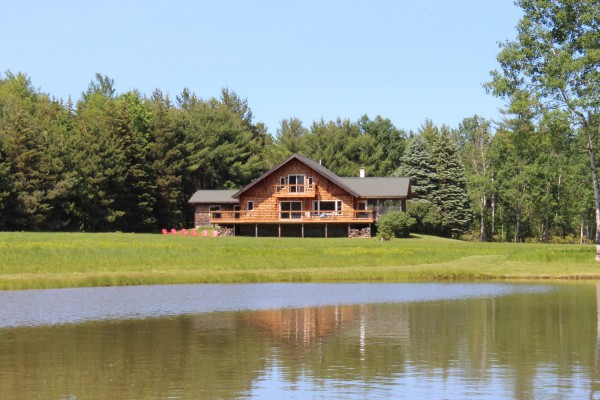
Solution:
(311, 164)
(380, 187)
(213, 196)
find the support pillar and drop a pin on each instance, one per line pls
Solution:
(302, 231)
(255, 230)
(325, 230)
(279, 230)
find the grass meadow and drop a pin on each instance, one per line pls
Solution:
(53, 260)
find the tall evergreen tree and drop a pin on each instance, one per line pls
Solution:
(453, 200)
(291, 136)
(166, 155)
(419, 164)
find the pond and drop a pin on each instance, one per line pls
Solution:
(297, 341)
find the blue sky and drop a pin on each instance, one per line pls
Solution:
(403, 60)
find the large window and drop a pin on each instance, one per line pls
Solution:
(296, 183)
(327, 206)
(290, 210)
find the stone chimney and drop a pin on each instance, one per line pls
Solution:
(361, 172)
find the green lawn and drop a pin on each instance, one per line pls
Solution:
(48, 260)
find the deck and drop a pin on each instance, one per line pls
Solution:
(290, 217)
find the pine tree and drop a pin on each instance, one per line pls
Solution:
(453, 199)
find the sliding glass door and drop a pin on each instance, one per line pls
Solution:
(290, 210)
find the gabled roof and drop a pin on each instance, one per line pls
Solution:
(371, 187)
(309, 163)
(380, 187)
(213, 197)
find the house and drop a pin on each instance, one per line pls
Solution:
(302, 198)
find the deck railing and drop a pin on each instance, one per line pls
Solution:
(241, 217)
(304, 190)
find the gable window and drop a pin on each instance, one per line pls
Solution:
(250, 206)
(310, 182)
(296, 183)
(290, 210)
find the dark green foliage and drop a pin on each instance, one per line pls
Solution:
(418, 164)
(395, 224)
(452, 198)
(344, 146)
(5, 184)
(427, 216)
(127, 162)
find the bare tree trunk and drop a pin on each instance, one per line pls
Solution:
(518, 226)
(482, 213)
(592, 154)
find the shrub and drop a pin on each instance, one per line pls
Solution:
(428, 218)
(395, 224)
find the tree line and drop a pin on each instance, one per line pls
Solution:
(128, 162)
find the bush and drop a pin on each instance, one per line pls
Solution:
(395, 224)
(428, 218)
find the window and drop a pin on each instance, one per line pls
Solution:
(310, 182)
(282, 183)
(212, 210)
(328, 206)
(236, 209)
(290, 210)
(296, 183)
(250, 206)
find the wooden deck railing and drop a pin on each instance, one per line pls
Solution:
(295, 190)
(244, 217)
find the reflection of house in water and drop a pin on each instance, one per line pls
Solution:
(302, 326)
(305, 326)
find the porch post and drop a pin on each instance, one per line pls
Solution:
(325, 230)
(279, 229)
(255, 230)
(303, 231)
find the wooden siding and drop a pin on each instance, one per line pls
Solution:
(202, 215)
(266, 201)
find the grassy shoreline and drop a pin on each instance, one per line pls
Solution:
(54, 260)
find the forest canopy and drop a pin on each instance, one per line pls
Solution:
(130, 161)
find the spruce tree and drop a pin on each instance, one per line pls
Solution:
(453, 199)
(419, 165)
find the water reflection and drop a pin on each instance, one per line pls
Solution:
(519, 344)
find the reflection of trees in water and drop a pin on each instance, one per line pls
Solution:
(203, 357)
(221, 355)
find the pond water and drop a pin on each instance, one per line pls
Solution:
(297, 341)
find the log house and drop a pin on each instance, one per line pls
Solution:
(302, 198)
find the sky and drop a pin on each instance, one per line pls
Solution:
(404, 60)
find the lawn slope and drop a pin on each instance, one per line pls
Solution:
(50, 260)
